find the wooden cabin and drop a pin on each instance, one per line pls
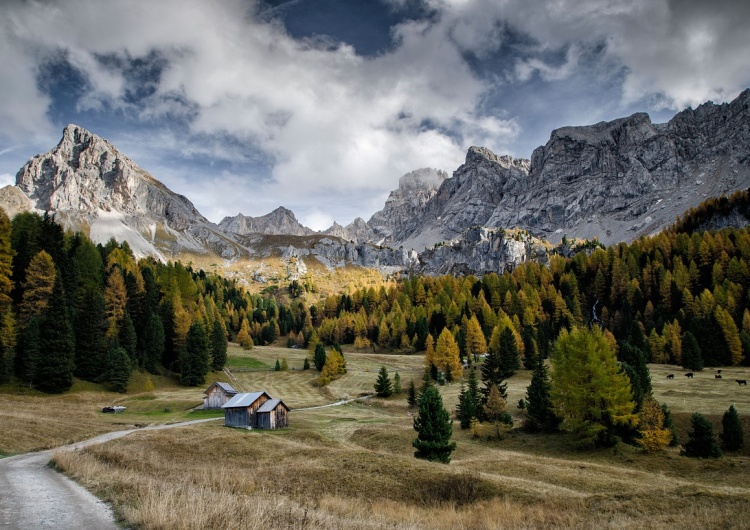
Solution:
(273, 414)
(217, 395)
(241, 410)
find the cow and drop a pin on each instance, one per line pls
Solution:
(670, 376)
(717, 376)
(689, 375)
(718, 370)
(741, 382)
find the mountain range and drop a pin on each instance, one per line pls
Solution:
(613, 181)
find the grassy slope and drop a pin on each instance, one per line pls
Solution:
(352, 466)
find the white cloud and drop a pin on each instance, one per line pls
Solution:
(6, 179)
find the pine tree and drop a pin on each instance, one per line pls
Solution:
(469, 401)
(54, 371)
(194, 364)
(153, 342)
(447, 357)
(6, 263)
(701, 441)
(319, 358)
(119, 366)
(540, 413)
(306, 364)
(495, 411)
(28, 351)
(90, 327)
(434, 429)
(669, 425)
(732, 435)
(7, 344)
(411, 394)
(427, 382)
(127, 337)
(383, 385)
(37, 290)
(590, 392)
(509, 361)
(397, 384)
(691, 353)
(277, 367)
(492, 373)
(218, 346)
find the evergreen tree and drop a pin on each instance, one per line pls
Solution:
(411, 394)
(397, 384)
(590, 392)
(119, 366)
(90, 327)
(495, 411)
(732, 435)
(218, 346)
(691, 353)
(28, 351)
(669, 424)
(383, 385)
(7, 344)
(127, 336)
(427, 382)
(492, 374)
(639, 374)
(701, 441)
(194, 364)
(54, 372)
(540, 413)
(469, 401)
(319, 358)
(509, 361)
(277, 367)
(37, 289)
(6, 263)
(434, 429)
(306, 364)
(153, 342)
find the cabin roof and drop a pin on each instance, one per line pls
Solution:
(243, 400)
(271, 404)
(226, 387)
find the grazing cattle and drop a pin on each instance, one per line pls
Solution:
(689, 375)
(718, 376)
(670, 376)
(741, 382)
(718, 371)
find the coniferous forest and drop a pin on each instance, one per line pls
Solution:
(71, 308)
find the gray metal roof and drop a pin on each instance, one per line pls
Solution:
(269, 405)
(243, 400)
(226, 387)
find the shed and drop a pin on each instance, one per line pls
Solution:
(273, 414)
(218, 394)
(240, 411)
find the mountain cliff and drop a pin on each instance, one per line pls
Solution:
(280, 222)
(614, 180)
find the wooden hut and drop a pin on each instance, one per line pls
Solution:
(241, 410)
(273, 414)
(217, 395)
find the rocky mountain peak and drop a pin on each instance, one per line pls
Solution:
(280, 221)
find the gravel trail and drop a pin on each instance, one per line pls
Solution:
(34, 496)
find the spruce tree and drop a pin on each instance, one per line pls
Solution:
(218, 346)
(277, 366)
(669, 424)
(153, 343)
(434, 429)
(692, 358)
(492, 375)
(397, 389)
(127, 336)
(306, 364)
(90, 327)
(469, 401)
(54, 372)
(732, 435)
(119, 366)
(411, 394)
(701, 440)
(540, 412)
(28, 351)
(509, 360)
(194, 364)
(7, 344)
(319, 358)
(383, 385)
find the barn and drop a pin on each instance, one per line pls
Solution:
(273, 414)
(218, 394)
(241, 410)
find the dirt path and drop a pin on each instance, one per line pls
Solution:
(32, 495)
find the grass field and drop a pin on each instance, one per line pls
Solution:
(351, 466)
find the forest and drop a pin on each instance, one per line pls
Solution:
(71, 308)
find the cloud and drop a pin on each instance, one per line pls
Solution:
(312, 125)
(6, 179)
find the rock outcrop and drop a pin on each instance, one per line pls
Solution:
(281, 221)
(614, 180)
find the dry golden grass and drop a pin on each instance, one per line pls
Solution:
(351, 466)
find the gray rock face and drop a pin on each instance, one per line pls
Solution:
(89, 184)
(281, 221)
(14, 201)
(356, 231)
(614, 180)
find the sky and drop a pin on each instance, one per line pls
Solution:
(321, 105)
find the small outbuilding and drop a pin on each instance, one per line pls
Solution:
(241, 410)
(273, 414)
(217, 395)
